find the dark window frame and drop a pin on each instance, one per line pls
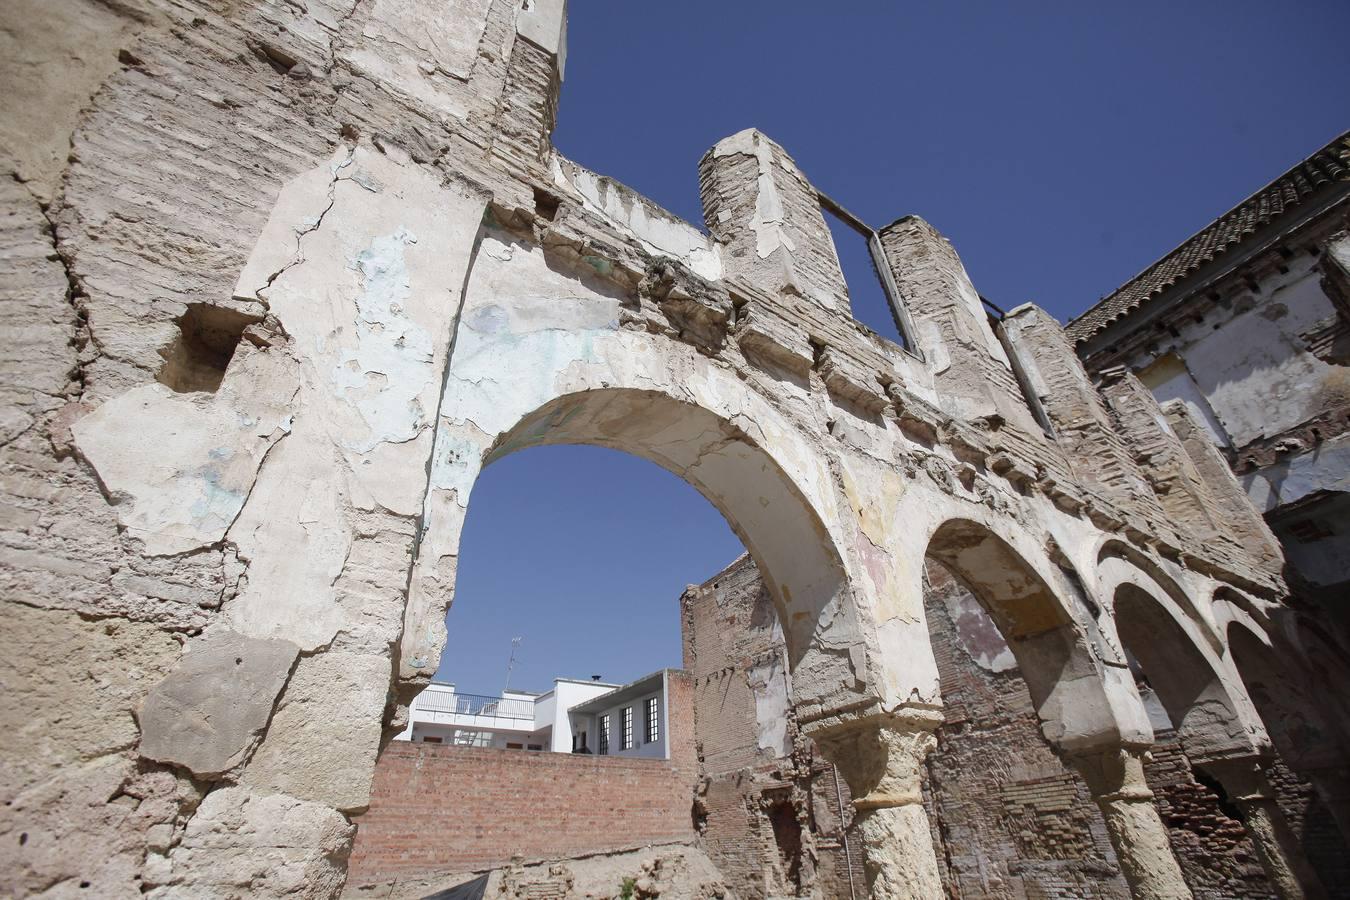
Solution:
(653, 723)
(904, 325)
(603, 728)
(626, 726)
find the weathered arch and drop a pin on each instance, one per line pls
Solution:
(1299, 716)
(1213, 717)
(798, 561)
(540, 358)
(1305, 726)
(1119, 563)
(1077, 709)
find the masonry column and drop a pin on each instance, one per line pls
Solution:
(1159, 453)
(970, 367)
(766, 214)
(882, 758)
(1244, 780)
(1116, 779)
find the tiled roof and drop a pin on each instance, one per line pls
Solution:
(1328, 165)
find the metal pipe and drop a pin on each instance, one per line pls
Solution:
(843, 833)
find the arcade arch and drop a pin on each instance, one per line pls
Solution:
(1213, 717)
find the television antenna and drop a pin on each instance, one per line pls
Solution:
(511, 663)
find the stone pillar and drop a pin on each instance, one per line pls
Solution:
(971, 370)
(528, 107)
(882, 759)
(1244, 780)
(767, 216)
(1116, 779)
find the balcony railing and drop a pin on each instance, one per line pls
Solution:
(476, 705)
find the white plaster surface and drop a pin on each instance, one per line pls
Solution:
(180, 466)
(1325, 469)
(1254, 370)
(544, 22)
(660, 232)
(368, 298)
(768, 221)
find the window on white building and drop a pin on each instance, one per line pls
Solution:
(627, 720)
(653, 725)
(603, 750)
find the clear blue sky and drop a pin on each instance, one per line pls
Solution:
(1061, 146)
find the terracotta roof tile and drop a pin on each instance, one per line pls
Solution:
(1331, 164)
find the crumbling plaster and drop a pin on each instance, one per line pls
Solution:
(1252, 369)
(261, 574)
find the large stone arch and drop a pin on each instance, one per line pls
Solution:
(1298, 713)
(545, 355)
(540, 357)
(1118, 563)
(1078, 705)
(801, 565)
(1288, 712)
(1298, 702)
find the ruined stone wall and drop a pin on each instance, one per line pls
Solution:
(1012, 821)
(1257, 353)
(285, 277)
(144, 146)
(1315, 828)
(1206, 831)
(769, 807)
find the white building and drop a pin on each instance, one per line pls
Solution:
(575, 716)
(515, 720)
(632, 720)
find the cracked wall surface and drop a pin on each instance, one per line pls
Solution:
(285, 278)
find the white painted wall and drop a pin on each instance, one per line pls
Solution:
(658, 749)
(1253, 370)
(432, 715)
(569, 692)
(1169, 379)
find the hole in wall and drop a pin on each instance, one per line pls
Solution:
(1223, 800)
(546, 205)
(207, 338)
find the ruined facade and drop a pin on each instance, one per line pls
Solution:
(1010, 819)
(283, 278)
(771, 812)
(1247, 325)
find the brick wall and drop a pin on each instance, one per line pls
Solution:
(1009, 819)
(1217, 857)
(769, 805)
(1314, 828)
(437, 808)
(1012, 821)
